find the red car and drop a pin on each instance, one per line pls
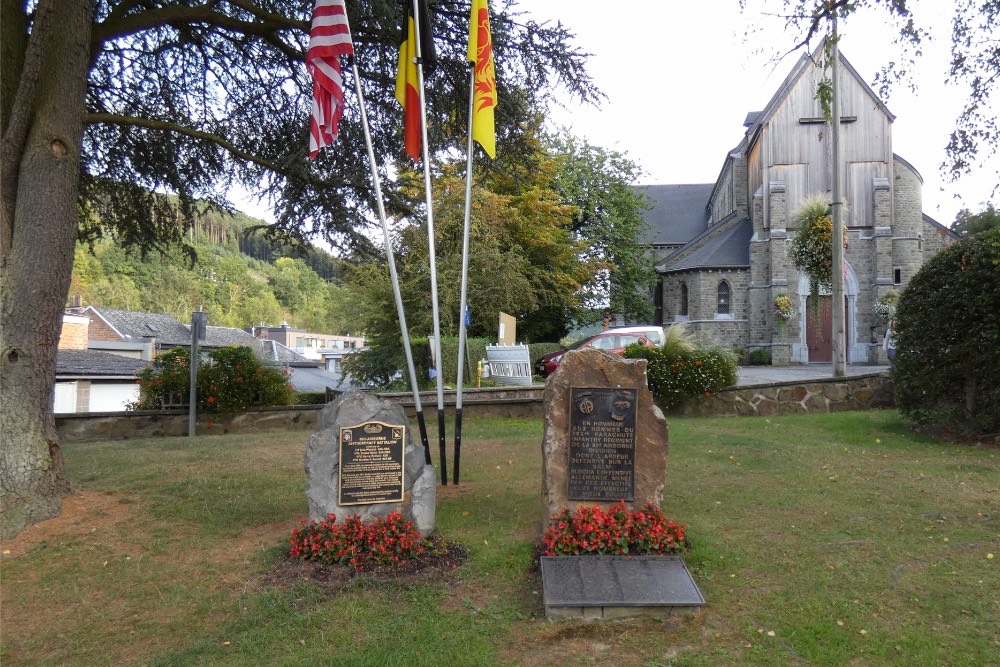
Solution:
(609, 341)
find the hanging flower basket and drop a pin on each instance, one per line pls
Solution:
(885, 307)
(783, 311)
(811, 251)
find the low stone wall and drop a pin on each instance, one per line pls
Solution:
(156, 423)
(861, 392)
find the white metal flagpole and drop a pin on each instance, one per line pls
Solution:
(465, 277)
(404, 331)
(430, 241)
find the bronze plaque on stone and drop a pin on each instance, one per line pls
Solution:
(602, 444)
(371, 463)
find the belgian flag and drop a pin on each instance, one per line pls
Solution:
(407, 83)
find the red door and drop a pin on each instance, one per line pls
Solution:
(819, 326)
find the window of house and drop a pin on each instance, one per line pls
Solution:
(684, 299)
(300, 341)
(723, 301)
(897, 275)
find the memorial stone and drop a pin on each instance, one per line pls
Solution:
(362, 461)
(604, 439)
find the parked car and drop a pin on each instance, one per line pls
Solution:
(651, 331)
(611, 341)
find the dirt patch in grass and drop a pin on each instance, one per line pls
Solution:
(456, 490)
(85, 514)
(437, 562)
(955, 435)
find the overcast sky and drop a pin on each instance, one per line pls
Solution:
(680, 78)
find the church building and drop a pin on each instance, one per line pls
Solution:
(721, 249)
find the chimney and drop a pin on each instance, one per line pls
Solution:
(75, 332)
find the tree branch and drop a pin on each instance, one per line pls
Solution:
(115, 27)
(166, 126)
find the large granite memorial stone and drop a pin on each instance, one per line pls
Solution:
(604, 438)
(361, 460)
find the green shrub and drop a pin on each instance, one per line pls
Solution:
(948, 336)
(759, 357)
(310, 397)
(232, 381)
(676, 375)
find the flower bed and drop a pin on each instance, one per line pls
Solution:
(615, 531)
(391, 539)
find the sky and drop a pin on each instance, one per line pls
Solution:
(680, 78)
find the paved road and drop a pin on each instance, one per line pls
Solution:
(752, 375)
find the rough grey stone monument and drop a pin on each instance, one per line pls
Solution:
(323, 465)
(604, 438)
(606, 441)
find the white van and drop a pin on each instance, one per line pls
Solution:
(650, 331)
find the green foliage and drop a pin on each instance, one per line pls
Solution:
(676, 375)
(310, 397)
(599, 184)
(970, 224)
(759, 357)
(235, 289)
(948, 333)
(231, 381)
(384, 366)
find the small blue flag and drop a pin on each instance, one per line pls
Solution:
(468, 317)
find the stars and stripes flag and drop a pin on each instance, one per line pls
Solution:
(329, 38)
(484, 90)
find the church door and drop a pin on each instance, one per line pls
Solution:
(819, 326)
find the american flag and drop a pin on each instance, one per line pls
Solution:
(329, 38)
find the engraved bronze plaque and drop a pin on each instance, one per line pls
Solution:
(371, 463)
(602, 444)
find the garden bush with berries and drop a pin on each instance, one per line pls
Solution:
(615, 531)
(232, 381)
(389, 539)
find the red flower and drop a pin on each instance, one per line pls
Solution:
(211, 399)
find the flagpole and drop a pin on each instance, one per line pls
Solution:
(430, 242)
(465, 275)
(404, 330)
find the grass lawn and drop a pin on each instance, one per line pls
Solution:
(838, 539)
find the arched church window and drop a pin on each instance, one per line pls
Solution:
(684, 299)
(723, 299)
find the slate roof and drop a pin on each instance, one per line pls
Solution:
(92, 364)
(729, 248)
(170, 332)
(678, 214)
(315, 379)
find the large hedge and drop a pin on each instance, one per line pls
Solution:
(947, 360)
(677, 373)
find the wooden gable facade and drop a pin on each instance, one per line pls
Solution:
(728, 292)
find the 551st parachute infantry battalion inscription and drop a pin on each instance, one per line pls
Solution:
(371, 463)
(602, 444)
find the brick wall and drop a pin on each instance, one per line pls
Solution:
(73, 335)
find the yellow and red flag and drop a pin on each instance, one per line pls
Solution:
(407, 84)
(484, 89)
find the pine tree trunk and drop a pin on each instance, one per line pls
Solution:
(36, 264)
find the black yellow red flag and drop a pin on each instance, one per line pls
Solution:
(407, 84)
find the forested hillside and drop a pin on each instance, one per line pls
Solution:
(240, 280)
